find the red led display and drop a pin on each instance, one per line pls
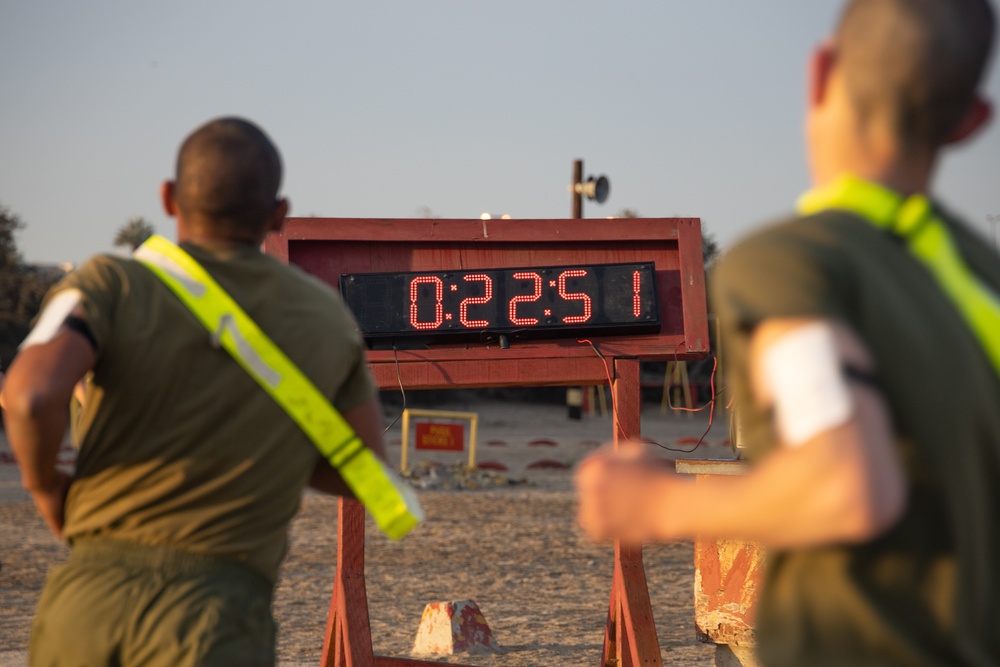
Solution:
(504, 301)
(463, 308)
(588, 310)
(536, 294)
(636, 299)
(438, 299)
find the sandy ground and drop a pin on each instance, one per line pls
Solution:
(515, 550)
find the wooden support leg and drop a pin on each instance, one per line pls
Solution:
(348, 634)
(636, 630)
(611, 656)
(630, 636)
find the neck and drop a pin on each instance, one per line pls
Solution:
(906, 176)
(206, 238)
(847, 147)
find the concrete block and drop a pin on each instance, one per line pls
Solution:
(447, 628)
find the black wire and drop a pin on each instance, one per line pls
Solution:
(399, 378)
(650, 441)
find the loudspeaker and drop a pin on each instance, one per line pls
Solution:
(595, 189)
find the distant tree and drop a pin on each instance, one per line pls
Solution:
(134, 233)
(427, 212)
(10, 225)
(22, 288)
(10, 260)
(709, 247)
(628, 213)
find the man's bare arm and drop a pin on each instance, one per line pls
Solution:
(366, 420)
(844, 484)
(36, 395)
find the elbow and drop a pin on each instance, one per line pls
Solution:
(32, 404)
(888, 507)
(873, 508)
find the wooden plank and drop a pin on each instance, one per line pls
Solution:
(693, 287)
(479, 373)
(653, 349)
(565, 348)
(328, 259)
(497, 231)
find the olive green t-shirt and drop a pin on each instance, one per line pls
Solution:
(927, 591)
(179, 445)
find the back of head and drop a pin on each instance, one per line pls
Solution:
(914, 64)
(228, 174)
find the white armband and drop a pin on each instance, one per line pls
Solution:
(56, 311)
(803, 373)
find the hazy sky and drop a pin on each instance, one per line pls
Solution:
(383, 108)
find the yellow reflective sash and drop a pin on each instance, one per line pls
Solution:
(392, 502)
(927, 239)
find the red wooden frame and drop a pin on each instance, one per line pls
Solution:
(328, 247)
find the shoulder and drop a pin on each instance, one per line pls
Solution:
(300, 296)
(104, 273)
(797, 243)
(104, 284)
(304, 285)
(795, 239)
(797, 266)
(98, 265)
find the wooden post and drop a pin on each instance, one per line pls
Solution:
(577, 210)
(630, 637)
(348, 634)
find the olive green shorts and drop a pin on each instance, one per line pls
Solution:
(120, 603)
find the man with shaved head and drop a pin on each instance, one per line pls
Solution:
(864, 345)
(228, 174)
(188, 472)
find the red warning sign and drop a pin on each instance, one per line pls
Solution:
(440, 437)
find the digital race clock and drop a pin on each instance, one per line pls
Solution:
(560, 300)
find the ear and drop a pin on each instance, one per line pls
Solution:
(821, 64)
(974, 120)
(281, 208)
(167, 190)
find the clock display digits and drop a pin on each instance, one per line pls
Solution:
(517, 301)
(636, 299)
(525, 298)
(463, 308)
(575, 296)
(438, 306)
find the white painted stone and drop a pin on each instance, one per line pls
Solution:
(447, 628)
